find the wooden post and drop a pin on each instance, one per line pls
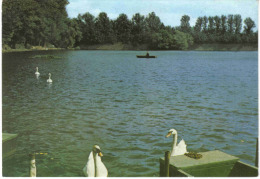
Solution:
(256, 153)
(167, 162)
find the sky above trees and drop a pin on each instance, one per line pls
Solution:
(169, 11)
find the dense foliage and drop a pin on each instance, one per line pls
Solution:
(37, 22)
(45, 23)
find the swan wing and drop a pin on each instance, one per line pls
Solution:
(181, 148)
(89, 169)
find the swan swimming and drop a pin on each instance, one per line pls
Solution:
(49, 80)
(94, 166)
(37, 73)
(179, 149)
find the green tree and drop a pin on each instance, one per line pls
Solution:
(198, 25)
(217, 22)
(153, 22)
(104, 31)
(230, 24)
(123, 28)
(87, 27)
(11, 22)
(163, 40)
(223, 24)
(185, 24)
(20, 19)
(71, 34)
(237, 23)
(204, 24)
(249, 25)
(211, 26)
(182, 40)
(138, 29)
(54, 16)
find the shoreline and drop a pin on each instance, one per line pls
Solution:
(144, 47)
(30, 50)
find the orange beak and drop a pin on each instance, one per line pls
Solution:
(100, 154)
(169, 134)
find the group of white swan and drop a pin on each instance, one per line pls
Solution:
(37, 73)
(96, 168)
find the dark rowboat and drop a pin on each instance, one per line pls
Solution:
(145, 56)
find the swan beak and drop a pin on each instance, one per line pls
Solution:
(169, 134)
(100, 154)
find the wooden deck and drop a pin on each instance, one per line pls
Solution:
(212, 164)
(8, 144)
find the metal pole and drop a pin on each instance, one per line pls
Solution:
(167, 162)
(256, 153)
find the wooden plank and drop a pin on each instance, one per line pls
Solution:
(7, 136)
(182, 173)
(210, 157)
(212, 164)
(8, 144)
(242, 169)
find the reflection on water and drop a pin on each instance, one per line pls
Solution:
(126, 106)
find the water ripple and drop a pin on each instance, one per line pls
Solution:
(127, 105)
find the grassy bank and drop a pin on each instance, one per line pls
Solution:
(196, 47)
(116, 46)
(224, 47)
(120, 46)
(34, 48)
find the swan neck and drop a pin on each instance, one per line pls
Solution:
(174, 142)
(95, 163)
(97, 160)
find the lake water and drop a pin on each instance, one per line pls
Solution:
(127, 105)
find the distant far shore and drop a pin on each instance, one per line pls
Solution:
(144, 47)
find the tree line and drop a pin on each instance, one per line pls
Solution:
(36, 22)
(220, 29)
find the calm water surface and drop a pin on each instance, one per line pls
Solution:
(126, 106)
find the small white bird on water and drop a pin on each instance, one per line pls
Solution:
(49, 80)
(179, 149)
(94, 166)
(37, 72)
(33, 166)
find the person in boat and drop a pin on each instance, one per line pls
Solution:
(147, 54)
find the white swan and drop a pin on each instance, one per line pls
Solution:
(49, 80)
(94, 166)
(37, 73)
(33, 166)
(179, 149)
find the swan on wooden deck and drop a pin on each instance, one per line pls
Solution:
(49, 80)
(37, 73)
(179, 149)
(94, 166)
